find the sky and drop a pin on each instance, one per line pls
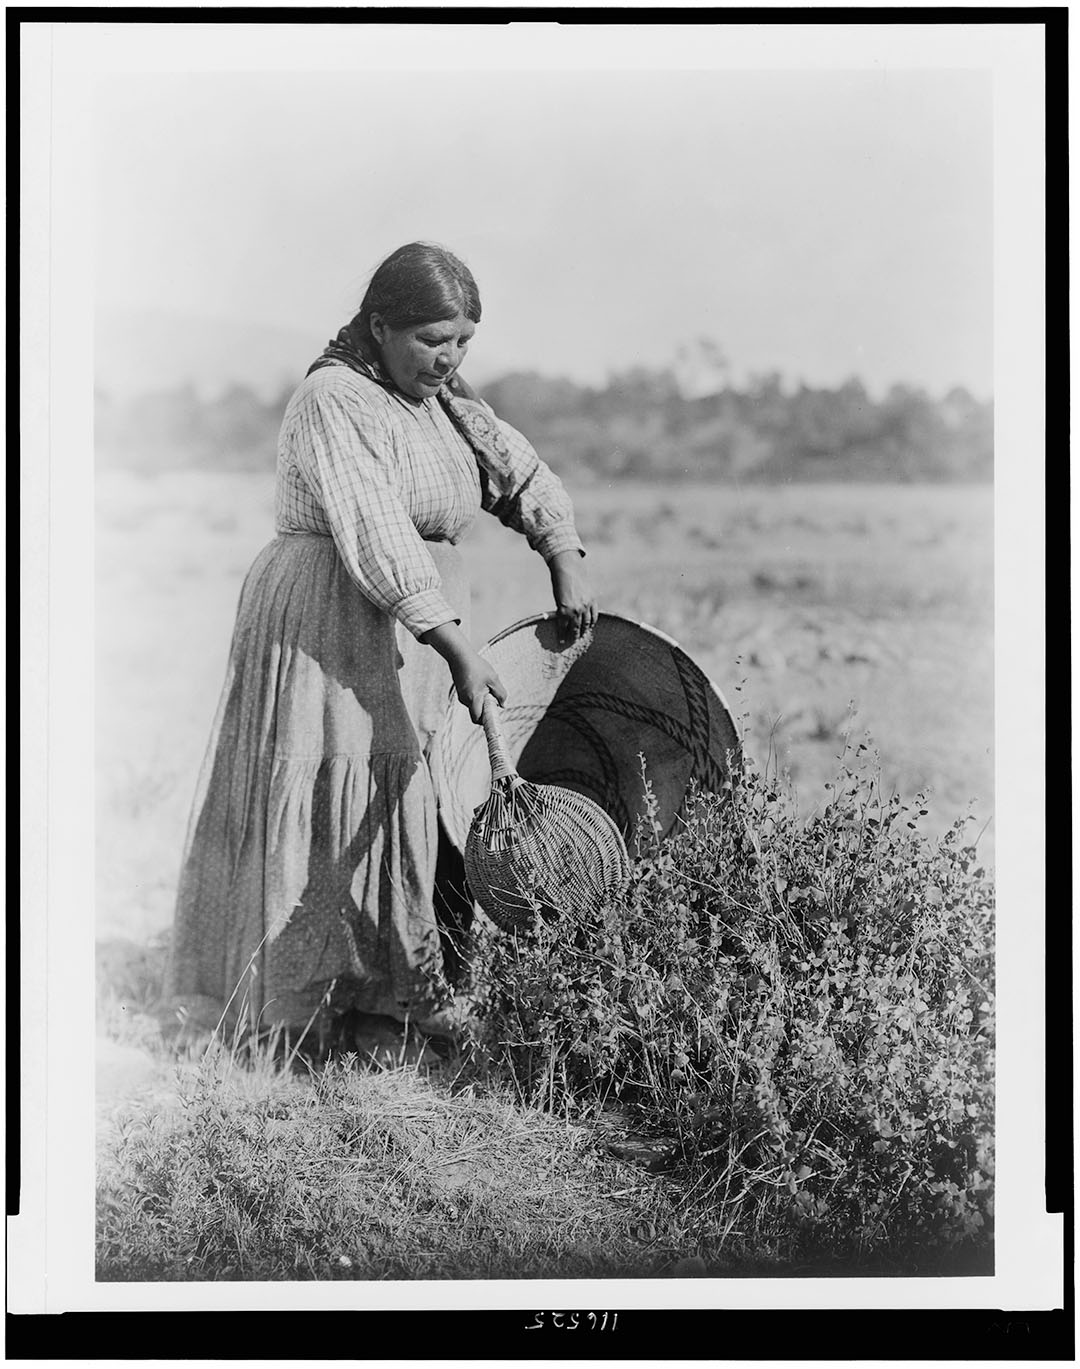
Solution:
(820, 223)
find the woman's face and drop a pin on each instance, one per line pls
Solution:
(421, 358)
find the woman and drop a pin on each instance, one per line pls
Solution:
(308, 878)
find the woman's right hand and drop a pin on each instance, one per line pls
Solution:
(474, 678)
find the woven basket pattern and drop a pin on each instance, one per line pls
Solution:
(540, 850)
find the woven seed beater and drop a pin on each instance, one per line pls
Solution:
(539, 848)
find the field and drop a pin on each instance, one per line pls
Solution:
(814, 1094)
(822, 612)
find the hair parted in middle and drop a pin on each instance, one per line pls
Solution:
(419, 283)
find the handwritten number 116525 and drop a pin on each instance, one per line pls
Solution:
(573, 1321)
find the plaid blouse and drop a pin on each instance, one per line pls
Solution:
(381, 475)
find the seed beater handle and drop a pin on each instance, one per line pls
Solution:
(501, 768)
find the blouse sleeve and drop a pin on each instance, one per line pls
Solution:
(534, 501)
(345, 448)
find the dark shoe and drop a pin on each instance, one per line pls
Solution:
(383, 1042)
(452, 1023)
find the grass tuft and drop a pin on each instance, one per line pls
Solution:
(254, 1172)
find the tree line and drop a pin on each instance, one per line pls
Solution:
(642, 424)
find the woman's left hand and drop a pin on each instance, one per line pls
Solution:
(574, 600)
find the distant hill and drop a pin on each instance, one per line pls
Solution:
(181, 392)
(642, 425)
(145, 351)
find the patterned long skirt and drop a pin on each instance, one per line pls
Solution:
(308, 872)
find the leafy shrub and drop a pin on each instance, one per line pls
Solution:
(804, 1005)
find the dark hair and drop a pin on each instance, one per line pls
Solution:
(419, 283)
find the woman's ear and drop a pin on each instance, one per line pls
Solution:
(378, 328)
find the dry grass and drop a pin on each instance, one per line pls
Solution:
(230, 1171)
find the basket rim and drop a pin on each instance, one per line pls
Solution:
(622, 618)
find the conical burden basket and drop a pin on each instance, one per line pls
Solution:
(539, 849)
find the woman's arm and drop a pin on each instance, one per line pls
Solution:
(574, 600)
(474, 678)
(345, 452)
(542, 510)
